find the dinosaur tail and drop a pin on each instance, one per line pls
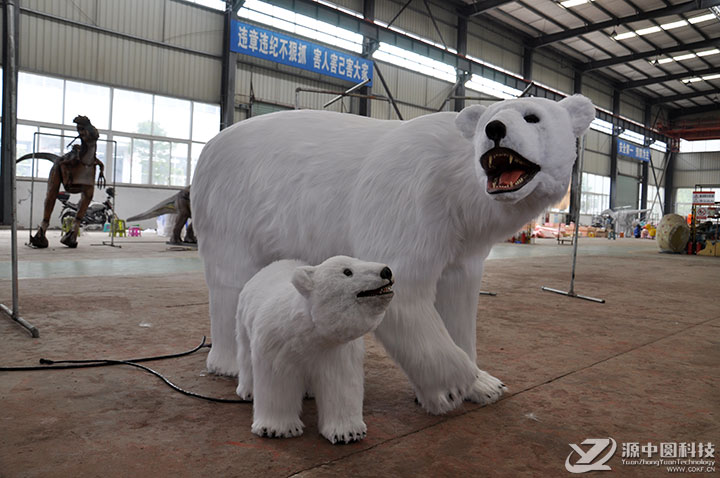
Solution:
(49, 156)
(164, 207)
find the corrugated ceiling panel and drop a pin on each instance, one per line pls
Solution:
(629, 168)
(194, 28)
(142, 18)
(83, 11)
(418, 21)
(688, 179)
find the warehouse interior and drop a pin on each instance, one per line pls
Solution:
(160, 78)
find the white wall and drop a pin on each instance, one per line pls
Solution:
(129, 201)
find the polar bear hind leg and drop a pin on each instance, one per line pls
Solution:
(222, 359)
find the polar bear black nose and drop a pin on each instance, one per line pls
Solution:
(495, 130)
(386, 273)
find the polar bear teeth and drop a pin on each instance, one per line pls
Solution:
(386, 289)
(506, 170)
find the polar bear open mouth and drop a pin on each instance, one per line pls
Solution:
(506, 170)
(384, 290)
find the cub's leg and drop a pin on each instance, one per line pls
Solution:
(338, 385)
(278, 392)
(244, 361)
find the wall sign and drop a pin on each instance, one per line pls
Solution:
(703, 197)
(269, 45)
(633, 151)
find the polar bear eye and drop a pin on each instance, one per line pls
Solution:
(532, 118)
(347, 272)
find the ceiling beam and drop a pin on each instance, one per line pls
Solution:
(682, 112)
(686, 96)
(480, 7)
(593, 65)
(661, 12)
(662, 79)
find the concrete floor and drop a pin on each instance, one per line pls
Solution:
(642, 368)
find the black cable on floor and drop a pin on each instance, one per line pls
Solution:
(50, 365)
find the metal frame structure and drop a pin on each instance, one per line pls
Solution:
(9, 122)
(571, 292)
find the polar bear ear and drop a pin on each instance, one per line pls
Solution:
(302, 280)
(467, 120)
(581, 111)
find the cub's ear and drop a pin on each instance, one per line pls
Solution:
(581, 111)
(467, 120)
(302, 279)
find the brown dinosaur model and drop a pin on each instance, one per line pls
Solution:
(177, 204)
(75, 170)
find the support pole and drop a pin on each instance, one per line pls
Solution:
(571, 292)
(387, 90)
(11, 21)
(346, 92)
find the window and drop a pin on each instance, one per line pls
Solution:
(699, 146)
(171, 118)
(595, 197)
(40, 98)
(153, 133)
(87, 100)
(132, 111)
(683, 199)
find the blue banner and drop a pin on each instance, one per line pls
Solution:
(273, 46)
(633, 151)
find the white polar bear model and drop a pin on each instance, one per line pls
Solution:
(300, 327)
(429, 197)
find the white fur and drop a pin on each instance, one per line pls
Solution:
(300, 327)
(309, 185)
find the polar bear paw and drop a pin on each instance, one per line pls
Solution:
(244, 392)
(278, 428)
(341, 434)
(222, 364)
(486, 389)
(440, 402)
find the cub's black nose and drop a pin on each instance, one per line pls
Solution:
(386, 273)
(495, 130)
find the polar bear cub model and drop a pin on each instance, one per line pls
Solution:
(300, 327)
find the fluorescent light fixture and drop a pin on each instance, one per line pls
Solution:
(711, 77)
(678, 24)
(646, 31)
(284, 19)
(686, 56)
(714, 51)
(692, 80)
(664, 26)
(624, 36)
(492, 88)
(702, 18)
(573, 3)
(412, 61)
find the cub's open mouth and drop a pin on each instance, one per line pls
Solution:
(506, 170)
(384, 290)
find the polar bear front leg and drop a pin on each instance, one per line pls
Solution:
(222, 359)
(277, 400)
(457, 304)
(415, 337)
(337, 381)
